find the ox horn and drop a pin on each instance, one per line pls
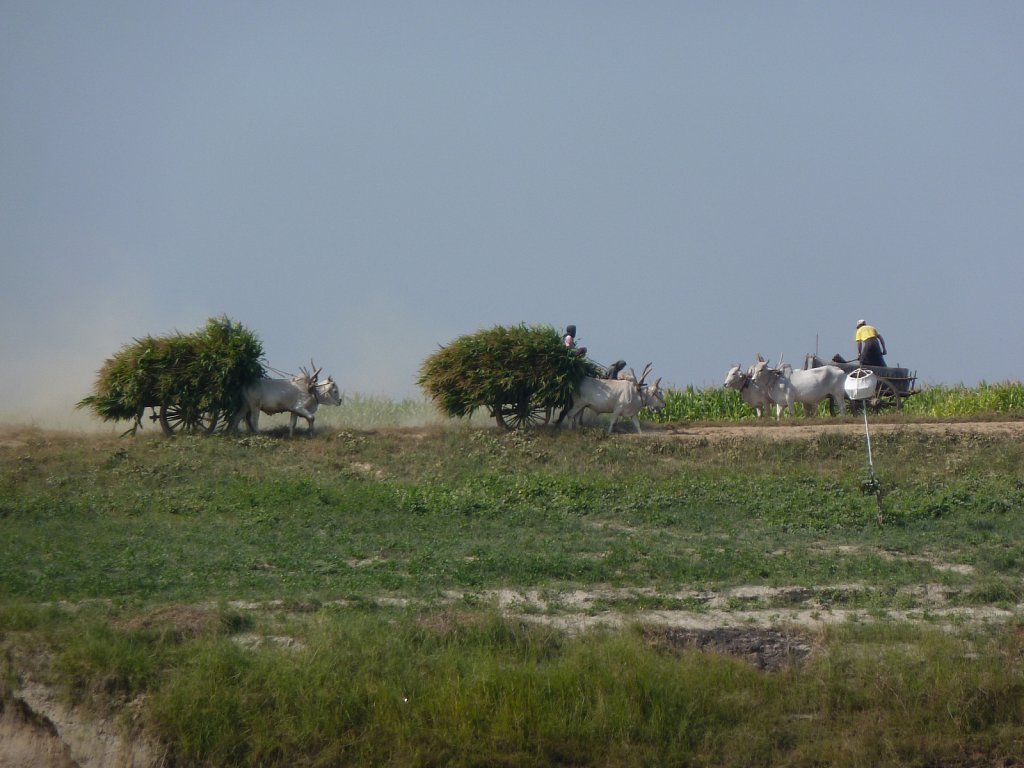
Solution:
(643, 376)
(306, 381)
(316, 371)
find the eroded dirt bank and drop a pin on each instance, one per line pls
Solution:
(38, 730)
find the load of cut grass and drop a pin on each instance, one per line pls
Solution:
(502, 365)
(201, 372)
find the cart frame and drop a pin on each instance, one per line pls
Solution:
(893, 383)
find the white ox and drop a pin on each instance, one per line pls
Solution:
(751, 393)
(786, 386)
(299, 396)
(622, 398)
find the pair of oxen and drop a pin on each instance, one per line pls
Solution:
(760, 387)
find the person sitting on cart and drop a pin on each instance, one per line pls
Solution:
(870, 345)
(570, 341)
(614, 369)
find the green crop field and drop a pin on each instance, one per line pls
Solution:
(939, 401)
(448, 594)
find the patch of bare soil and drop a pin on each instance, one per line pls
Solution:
(768, 649)
(740, 620)
(178, 623)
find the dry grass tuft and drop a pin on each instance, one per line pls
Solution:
(176, 623)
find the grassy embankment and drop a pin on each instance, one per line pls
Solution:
(333, 601)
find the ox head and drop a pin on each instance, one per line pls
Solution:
(650, 394)
(734, 378)
(653, 397)
(759, 371)
(327, 392)
(762, 375)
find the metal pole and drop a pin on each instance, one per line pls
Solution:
(873, 483)
(867, 434)
(860, 385)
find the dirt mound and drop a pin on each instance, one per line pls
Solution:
(767, 649)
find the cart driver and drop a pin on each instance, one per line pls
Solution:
(870, 345)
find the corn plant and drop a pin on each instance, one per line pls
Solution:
(709, 404)
(959, 401)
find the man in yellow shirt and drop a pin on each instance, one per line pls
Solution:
(870, 345)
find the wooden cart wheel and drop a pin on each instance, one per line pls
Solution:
(885, 396)
(212, 423)
(177, 418)
(521, 415)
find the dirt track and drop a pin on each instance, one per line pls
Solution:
(795, 429)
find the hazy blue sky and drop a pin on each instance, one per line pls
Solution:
(690, 183)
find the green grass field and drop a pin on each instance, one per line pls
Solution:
(451, 595)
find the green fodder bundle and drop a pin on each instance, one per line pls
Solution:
(205, 371)
(503, 365)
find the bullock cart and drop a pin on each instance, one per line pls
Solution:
(191, 383)
(894, 384)
(519, 374)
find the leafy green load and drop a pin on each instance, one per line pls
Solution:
(503, 365)
(201, 372)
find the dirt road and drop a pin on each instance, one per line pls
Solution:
(796, 429)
